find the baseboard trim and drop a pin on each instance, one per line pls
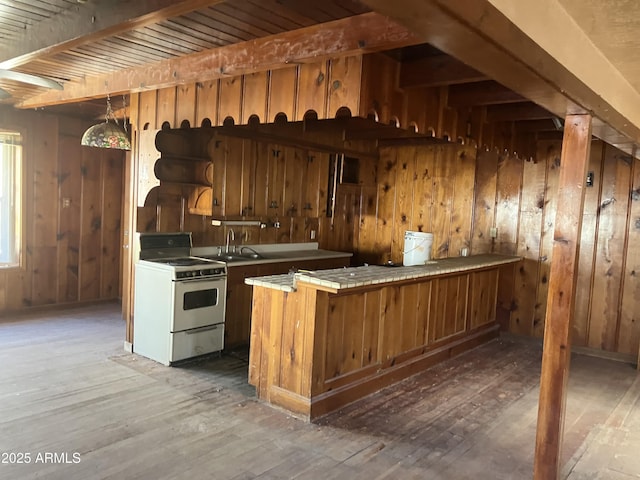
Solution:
(587, 351)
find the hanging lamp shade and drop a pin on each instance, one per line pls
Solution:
(108, 134)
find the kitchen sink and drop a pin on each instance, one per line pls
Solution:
(235, 257)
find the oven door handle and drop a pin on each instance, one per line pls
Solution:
(203, 329)
(201, 279)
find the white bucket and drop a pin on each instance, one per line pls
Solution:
(417, 248)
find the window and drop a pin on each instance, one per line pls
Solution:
(10, 197)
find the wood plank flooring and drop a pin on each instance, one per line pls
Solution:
(67, 387)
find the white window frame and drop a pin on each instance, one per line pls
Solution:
(11, 197)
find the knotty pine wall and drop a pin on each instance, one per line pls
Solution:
(323, 87)
(71, 254)
(510, 193)
(419, 187)
(519, 198)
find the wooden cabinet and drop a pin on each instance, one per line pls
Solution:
(239, 295)
(315, 350)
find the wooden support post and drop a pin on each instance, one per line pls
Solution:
(561, 300)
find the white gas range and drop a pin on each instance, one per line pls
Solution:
(179, 300)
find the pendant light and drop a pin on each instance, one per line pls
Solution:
(108, 134)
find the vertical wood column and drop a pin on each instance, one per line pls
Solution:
(561, 298)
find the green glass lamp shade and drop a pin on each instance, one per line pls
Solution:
(106, 135)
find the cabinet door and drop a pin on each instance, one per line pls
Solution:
(239, 295)
(238, 312)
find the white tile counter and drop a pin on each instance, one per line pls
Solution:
(353, 277)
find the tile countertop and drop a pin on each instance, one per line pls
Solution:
(352, 277)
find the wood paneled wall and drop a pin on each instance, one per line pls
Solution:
(523, 194)
(72, 216)
(285, 187)
(323, 87)
(419, 187)
(449, 189)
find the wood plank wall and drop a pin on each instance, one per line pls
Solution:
(287, 94)
(425, 188)
(72, 216)
(513, 195)
(323, 87)
(608, 298)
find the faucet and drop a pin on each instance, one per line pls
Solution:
(231, 234)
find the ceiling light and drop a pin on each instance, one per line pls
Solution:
(108, 134)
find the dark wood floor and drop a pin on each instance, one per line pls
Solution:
(67, 387)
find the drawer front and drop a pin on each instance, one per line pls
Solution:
(199, 341)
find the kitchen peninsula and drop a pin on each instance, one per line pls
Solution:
(322, 339)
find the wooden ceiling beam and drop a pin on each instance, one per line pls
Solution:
(369, 32)
(481, 93)
(437, 71)
(89, 22)
(517, 111)
(492, 37)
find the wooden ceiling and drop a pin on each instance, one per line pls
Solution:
(96, 47)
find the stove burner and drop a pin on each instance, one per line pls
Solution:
(184, 262)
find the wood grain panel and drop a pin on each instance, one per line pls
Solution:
(233, 193)
(484, 201)
(353, 328)
(312, 89)
(371, 328)
(530, 227)
(603, 326)
(261, 151)
(392, 324)
(586, 260)
(404, 201)
(508, 185)
(147, 110)
(45, 202)
(277, 169)
(462, 214)
(217, 153)
(629, 331)
(185, 101)
(254, 96)
(423, 189)
(111, 227)
(295, 163)
(441, 221)
(482, 298)
(410, 317)
(282, 93)
(207, 102)
(166, 107)
(386, 204)
(338, 308)
(315, 181)
(230, 100)
(366, 235)
(379, 74)
(345, 76)
(551, 155)
(90, 226)
(291, 352)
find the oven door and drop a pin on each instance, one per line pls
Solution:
(198, 303)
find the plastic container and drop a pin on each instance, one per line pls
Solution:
(417, 248)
